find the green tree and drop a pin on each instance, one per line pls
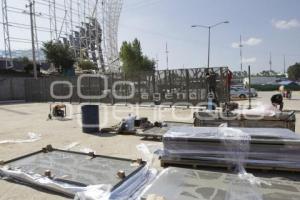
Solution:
(133, 60)
(26, 64)
(87, 65)
(59, 54)
(294, 72)
(29, 68)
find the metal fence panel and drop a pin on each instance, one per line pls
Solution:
(164, 86)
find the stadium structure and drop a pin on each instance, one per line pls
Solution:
(90, 27)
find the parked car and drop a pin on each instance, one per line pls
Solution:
(239, 93)
(253, 92)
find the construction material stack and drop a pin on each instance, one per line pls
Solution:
(259, 148)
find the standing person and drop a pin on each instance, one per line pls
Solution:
(282, 90)
(288, 94)
(211, 79)
(229, 80)
(277, 100)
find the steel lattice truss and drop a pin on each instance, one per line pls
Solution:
(112, 11)
(90, 27)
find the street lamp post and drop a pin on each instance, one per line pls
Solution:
(209, 31)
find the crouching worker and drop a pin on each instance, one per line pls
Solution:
(277, 100)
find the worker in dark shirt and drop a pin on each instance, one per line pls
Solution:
(211, 80)
(277, 100)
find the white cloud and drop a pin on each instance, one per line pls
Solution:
(249, 42)
(235, 45)
(252, 41)
(249, 60)
(286, 24)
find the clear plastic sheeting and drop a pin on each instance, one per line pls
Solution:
(187, 184)
(39, 180)
(132, 188)
(32, 137)
(85, 176)
(150, 152)
(261, 110)
(129, 190)
(94, 192)
(228, 146)
(212, 133)
(238, 142)
(269, 147)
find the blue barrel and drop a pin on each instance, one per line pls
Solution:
(90, 118)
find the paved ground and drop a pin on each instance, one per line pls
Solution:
(19, 119)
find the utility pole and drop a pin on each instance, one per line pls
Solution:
(156, 63)
(249, 86)
(241, 53)
(167, 56)
(32, 37)
(208, 54)
(284, 64)
(55, 19)
(36, 35)
(270, 62)
(241, 57)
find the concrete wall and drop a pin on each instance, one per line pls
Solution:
(12, 89)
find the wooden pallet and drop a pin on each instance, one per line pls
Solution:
(198, 164)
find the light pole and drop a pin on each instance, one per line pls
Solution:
(31, 4)
(209, 30)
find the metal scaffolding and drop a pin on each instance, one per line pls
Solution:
(90, 27)
(112, 10)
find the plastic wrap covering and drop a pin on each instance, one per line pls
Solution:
(38, 180)
(213, 133)
(261, 110)
(186, 184)
(267, 146)
(132, 188)
(237, 143)
(129, 190)
(85, 176)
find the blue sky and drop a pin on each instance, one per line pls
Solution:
(265, 25)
